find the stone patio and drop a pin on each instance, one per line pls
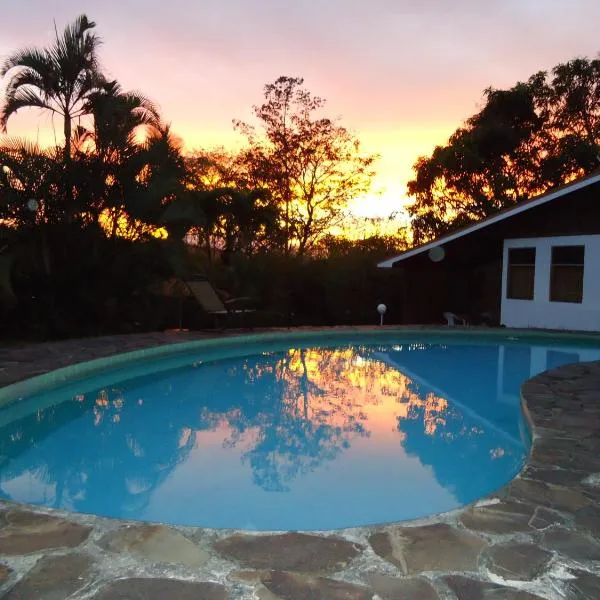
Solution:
(539, 537)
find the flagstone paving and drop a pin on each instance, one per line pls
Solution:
(538, 538)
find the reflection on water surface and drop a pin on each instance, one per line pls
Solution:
(307, 438)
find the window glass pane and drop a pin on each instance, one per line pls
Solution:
(567, 255)
(566, 284)
(520, 282)
(566, 274)
(521, 273)
(521, 256)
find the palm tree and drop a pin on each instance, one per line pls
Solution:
(59, 78)
(30, 189)
(118, 117)
(131, 161)
(28, 172)
(109, 149)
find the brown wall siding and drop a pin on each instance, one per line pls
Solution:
(471, 291)
(469, 279)
(577, 213)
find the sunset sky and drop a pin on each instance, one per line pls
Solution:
(401, 74)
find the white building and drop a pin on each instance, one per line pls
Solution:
(536, 264)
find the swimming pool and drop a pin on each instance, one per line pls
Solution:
(280, 432)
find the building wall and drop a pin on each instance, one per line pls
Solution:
(423, 302)
(540, 312)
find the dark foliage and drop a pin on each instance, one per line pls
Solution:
(524, 141)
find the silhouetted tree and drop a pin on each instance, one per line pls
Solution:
(70, 215)
(219, 210)
(58, 79)
(311, 165)
(216, 168)
(524, 141)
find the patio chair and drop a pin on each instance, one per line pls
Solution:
(453, 319)
(206, 295)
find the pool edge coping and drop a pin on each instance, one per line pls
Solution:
(17, 390)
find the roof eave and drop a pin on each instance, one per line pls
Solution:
(519, 208)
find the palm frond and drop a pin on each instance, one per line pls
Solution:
(28, 58)
(87, 82)
(147, 112)
(81, 136)
(24, 77)
(22, 98)
(21, 146)
(75, 50)
(57, 78)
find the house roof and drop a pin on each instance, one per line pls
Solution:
(506, 213)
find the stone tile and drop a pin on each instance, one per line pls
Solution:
(505, 517)
(398, 588)
(155, 543)
(27, 519)
(552, 496)
(262, 593)
(565, 444)
(160, 589)
(565, 477)
(5, 573)
(584, 424)
(588, 520)
(53, 578)
(248, 576)
(592, 494)
(585, 586)
(474, 589)
(571, 544)
(566, 372)
(518, 561)
(289, 552)
(592, 480)
(545, 517)
(430, 548)
(29, 532)
(565, 454)
(294, 586)
(544, 432)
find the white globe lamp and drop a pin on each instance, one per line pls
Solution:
(381, 308)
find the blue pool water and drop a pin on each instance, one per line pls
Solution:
(319, 435)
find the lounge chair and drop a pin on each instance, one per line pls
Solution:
(202, 290)
(453, 319)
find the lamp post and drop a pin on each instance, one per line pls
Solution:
(381, 308)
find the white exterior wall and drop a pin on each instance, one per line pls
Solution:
(540, 312)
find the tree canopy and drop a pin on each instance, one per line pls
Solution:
(524, 141)
(311, 165)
